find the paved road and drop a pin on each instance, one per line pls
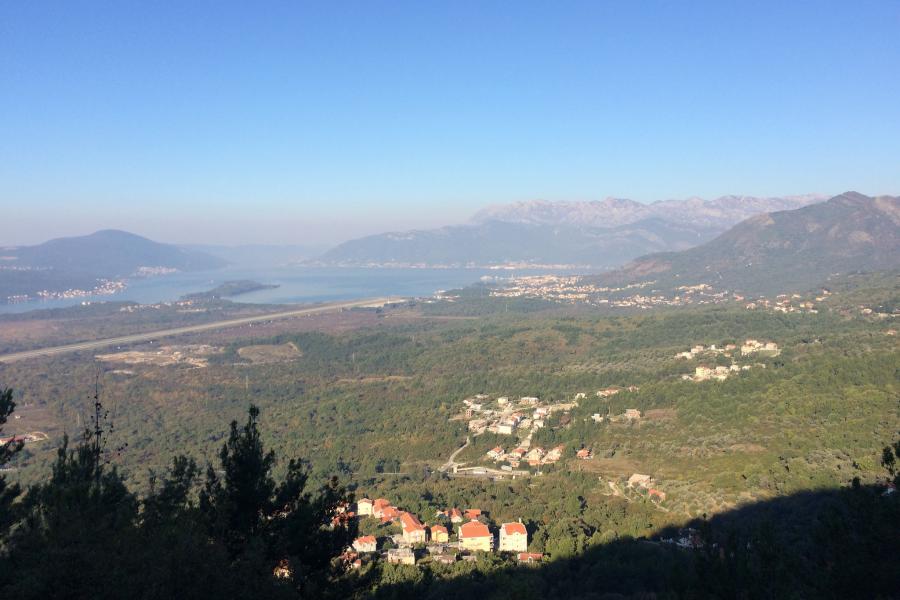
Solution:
(451, 461)
(154, 335)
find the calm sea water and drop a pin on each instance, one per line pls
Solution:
(296, 285)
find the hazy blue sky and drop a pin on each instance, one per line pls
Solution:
(312, 122)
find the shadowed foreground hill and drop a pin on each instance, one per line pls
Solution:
(840, 543)
(790, 250)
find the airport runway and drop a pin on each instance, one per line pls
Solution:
(154, 335)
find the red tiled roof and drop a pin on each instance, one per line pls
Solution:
(366, 539)
(514, 529)
(473, 513)
(410, 522)
(438, 528)
(474, 529)
(525, 556)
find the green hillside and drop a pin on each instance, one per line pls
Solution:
(788, 250)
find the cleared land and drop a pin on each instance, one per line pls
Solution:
(269, 353)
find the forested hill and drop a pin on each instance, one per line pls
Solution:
(785, 251)
(109, 253)
(79, 262)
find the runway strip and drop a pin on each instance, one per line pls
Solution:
(154, 335)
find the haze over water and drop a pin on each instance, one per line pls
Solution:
(296, 285)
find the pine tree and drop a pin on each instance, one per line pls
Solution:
(8, 493)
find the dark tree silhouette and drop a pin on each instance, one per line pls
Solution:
(8, 493)
(84, 534)
(249, 512)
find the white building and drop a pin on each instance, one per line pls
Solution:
(513, 538)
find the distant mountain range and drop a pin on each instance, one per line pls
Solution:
(783, 251)
(602, 234)
(720, 212)
(79, 262)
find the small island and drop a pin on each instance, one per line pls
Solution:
(229, 289)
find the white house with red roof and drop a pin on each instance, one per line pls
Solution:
(413, 530)
(513, 538)
(475, 535)
(530, 557)
(366, 543)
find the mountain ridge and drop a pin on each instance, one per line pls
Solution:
(721, 211)
(600, 234)
(787, 249)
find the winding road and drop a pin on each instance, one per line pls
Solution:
(154, 335)
(451, 461)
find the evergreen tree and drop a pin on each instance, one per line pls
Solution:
(8, 493)
(84, 534)
(264, 524)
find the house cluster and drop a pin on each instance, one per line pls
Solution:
(762, 348)
(178, 304)
(104, 287)
(711, 350)
(507, 417)
(437, 541)
(750, 347)
(788, 303)
(578, 289)
(612, 391)
(549, 287)
(720, 373)
(630, 415)
(535, 457)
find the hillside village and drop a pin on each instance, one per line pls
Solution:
(576, 289)
(706, 372)
(104, 287)
(519, 419)
(397, 536)
(454, 534)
